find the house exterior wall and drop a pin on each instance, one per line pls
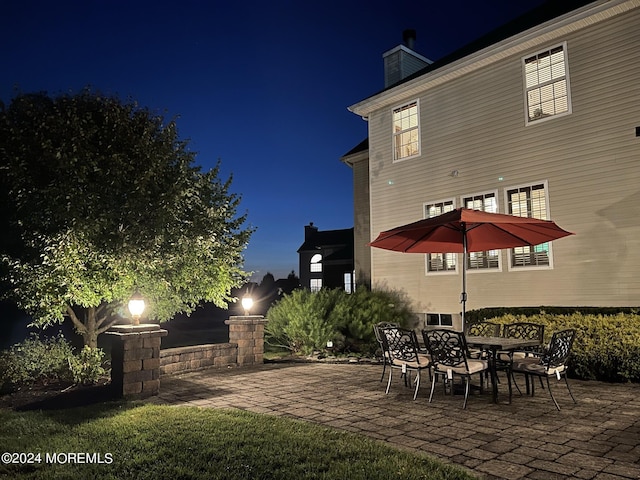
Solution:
(361, 215)
(474, 123)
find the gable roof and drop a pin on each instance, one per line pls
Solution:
(548, 22)
(328, 238)
(543, 13)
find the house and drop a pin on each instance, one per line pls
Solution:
(541, 118)
(326, 259)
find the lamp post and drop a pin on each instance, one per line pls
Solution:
(136, 307)
(247, 303)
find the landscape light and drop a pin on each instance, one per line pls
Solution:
(136, 307)
(247, 303)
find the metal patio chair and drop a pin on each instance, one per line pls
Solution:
(377, 330)
(450, 357)
(552, 362)
(404, 354)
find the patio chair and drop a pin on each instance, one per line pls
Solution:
(551, 362)
(377, 330)
(481, 329)
(450, 357)
(402, 346)
(525, 331)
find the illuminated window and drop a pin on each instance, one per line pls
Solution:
(440, 262)
(529, 201)
(316, 263)
(547, 84)
(406, 134)
(316, 284)
(349, 282)
(486, 202)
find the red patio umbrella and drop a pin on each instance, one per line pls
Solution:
(464, 230)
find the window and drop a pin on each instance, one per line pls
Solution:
(349, 282)
(406, 134)
(529, 201)
(547, 84)
(486, 202)
(439, 320)
(440, 262)
(316, 263)
(315, 284)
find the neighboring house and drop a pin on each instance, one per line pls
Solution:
(326, 259)
(538, 118)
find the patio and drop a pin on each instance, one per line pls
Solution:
(599, 438)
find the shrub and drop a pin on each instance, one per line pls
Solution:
(35, 360)
(304, 321)
(607, 347)
(86, 368)
(45, 361)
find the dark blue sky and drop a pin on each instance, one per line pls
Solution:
(261, 85)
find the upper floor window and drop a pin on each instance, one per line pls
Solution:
(406, 132)
(486, 202)
(316, 263)
(529, 201)
(440, 262)
(547, 84)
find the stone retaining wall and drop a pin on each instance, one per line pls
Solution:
(188, 359)
(137, 362)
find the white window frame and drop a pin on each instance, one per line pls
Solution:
(547, 216)
(551, 82)
(484, 194)
(315, 264)
(448, 317)
(315, 284)
(395, 134)
(427, 257)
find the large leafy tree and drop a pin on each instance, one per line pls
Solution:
(100, 197)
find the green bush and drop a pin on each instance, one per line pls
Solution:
(46, 361)
(607, 347)
(86, 368)
(35, 360)
(304, 321)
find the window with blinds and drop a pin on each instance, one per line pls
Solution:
(547, 84)
(440, 262)
(489, 259)
(529, 201)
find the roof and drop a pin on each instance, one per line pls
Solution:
(543, 13)
(363, 146)
(328, 238)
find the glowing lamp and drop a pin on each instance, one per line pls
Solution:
(136, 307)
(247, 303)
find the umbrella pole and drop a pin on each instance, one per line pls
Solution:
(463, 296)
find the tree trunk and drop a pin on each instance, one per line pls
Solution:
(95, 321)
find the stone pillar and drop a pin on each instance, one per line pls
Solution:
(135, 360)
(248, 333)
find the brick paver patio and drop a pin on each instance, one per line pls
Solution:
(599, 438)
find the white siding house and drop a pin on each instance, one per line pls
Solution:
(540, 118)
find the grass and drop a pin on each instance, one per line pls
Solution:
(161, 442)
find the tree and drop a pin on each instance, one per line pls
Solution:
(99, 198)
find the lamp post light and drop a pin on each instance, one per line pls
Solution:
(136, 307)
(247, 303)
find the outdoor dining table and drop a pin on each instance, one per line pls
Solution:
(493, 345)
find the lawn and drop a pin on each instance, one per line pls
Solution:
(127, 440)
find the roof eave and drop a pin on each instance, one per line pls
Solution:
(526, 40)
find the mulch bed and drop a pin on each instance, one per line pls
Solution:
(55, 396)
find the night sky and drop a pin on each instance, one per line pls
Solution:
(263, 86)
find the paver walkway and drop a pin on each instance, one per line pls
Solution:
(599, 438)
